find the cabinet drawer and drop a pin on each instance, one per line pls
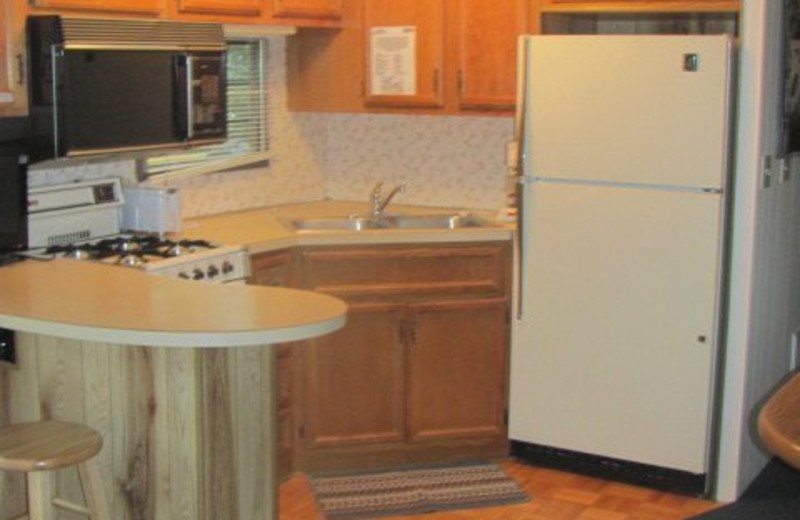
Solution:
(408, 271)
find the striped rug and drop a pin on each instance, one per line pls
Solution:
(415, 491)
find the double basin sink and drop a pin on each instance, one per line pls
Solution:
(389, 222)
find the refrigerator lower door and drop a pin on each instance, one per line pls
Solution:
(614, 354)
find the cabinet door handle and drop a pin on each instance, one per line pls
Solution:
(412, 332)
(20, 69)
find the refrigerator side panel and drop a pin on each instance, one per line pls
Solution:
(614, 355)
(624, 109)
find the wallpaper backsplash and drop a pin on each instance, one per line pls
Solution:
(444, 161)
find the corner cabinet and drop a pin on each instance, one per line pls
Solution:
(418, 373)
(13, 88)
(404, 43)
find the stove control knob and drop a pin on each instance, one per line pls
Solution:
(212, 271)
(198, 274)
(183, 275)
(227, 267)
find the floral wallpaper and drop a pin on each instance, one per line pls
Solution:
(445, 161)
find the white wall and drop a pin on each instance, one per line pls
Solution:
(765, 280)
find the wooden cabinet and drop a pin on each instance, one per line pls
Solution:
(13, 89)
(354, 381)
(641, 5)
(127, 6)
(421, 23)
(307, 9)
(464, 58)
(418, 374)
(485, 39)
(457, 369)
(224, 7)
(274, 269)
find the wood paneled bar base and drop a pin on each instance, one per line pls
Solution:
(189, 433)
(188, 425)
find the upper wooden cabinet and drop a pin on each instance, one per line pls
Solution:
(640, 5)
(127, 6)
(313, 9)
(404, 43)
(13, 90)
(486, 42)
(228, 7)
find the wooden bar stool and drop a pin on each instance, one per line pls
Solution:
(37, 448)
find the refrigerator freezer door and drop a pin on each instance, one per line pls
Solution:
(626, 109)
(614, 355)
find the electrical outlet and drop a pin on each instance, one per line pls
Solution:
(8, 351)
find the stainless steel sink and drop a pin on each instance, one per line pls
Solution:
(356, 223)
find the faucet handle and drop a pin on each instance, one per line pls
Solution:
(377, 189)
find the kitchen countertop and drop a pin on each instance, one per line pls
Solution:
(99, 302)
(261, 230)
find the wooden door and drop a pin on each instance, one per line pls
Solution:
(457, 366)
(13, 92)
(314, 9)
(131, 6)
(397, 78)
(353, 381)
(487, 52)
(228, 7)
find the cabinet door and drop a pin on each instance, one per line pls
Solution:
(232, 7)
(133, 6)
(271, 269)
(457, 366)
(324, 9)
(487, 52)
(13, 93)
(405, 52)
(354, 381)
(641, 5)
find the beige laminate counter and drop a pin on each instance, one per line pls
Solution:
(263, 229)
(97, 302)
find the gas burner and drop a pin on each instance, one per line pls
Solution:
(177, 250)
(131, 260)
(79, 253)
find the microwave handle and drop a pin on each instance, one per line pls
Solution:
(184, 96)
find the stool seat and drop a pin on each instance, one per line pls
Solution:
(36, 448)
(779, 422)
(46, 445)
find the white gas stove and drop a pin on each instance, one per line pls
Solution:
(82, 221)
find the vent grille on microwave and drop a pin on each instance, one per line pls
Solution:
(104, 33)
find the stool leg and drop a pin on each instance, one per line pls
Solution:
(93, 490)
(40, 495)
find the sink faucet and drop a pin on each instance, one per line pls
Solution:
(379, 202)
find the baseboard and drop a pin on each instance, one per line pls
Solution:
(656, 477)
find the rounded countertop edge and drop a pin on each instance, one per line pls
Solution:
(177, 339)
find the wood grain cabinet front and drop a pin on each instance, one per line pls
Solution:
(151, 7)
(419, 372)
(641, 5)
(274, 269)
(307, 9)
(13, 89)
(224, 7)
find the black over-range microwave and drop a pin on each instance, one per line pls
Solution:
(117, 85)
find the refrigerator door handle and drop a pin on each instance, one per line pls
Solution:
(519, 170)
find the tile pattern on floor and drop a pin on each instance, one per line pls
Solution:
(555, 496)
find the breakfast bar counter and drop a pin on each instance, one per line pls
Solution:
(176, 375)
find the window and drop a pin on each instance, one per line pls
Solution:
(247, 142)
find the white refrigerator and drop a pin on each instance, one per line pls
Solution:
(623, 183)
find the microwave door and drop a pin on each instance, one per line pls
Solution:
(115, 100)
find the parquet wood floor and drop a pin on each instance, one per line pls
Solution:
(554, 496)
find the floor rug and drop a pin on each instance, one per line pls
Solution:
(415, 491)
